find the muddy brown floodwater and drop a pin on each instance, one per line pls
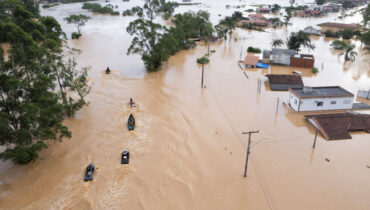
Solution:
(188, 150)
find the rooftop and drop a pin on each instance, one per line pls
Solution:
(251, 60)
(321, 92)
(340, 25)
(338, 126)
(257, 16)
(286, 79)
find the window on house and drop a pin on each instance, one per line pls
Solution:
(320, 103)
(333, 102)
(346, 101)
(295, 101)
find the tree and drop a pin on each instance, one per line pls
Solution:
(287, 17)
(338, 45)
(168, 8)
(31, 107)
(349, 54)
(320, 2)
(366, 16)
(79, 21)
(237, 16)
(296, 40)
(277, 43)
(291, 2)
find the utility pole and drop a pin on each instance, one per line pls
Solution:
(248, 150)
(202, 75)
(277, 105)
(314, 141)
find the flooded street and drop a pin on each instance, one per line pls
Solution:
(188, 150)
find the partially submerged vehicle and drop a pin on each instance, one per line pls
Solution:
(131, 123)
(125, 157)
(132, 102)
(89, 174)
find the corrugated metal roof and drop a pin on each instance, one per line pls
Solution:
(322, 92)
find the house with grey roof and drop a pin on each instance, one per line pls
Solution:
(320, 98)
(312, 31)
(283, 82)
(279, 56)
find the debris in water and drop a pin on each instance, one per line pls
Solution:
(327, 159)
(368, 166)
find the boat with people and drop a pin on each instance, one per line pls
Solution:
(125, 157)
(107, 71)
(132, 102)
(89, 174)
(131, 123)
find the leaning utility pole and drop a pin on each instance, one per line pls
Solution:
(202, 75)
(248, 150)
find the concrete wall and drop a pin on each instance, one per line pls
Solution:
(311, 104)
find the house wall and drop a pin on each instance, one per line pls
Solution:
(302, 62)
(311, 104)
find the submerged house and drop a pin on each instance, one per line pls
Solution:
(288, 57)
(250, 61)
(312, 31)
(320, 98)
(338, 126)
(338, 26)
(302, 60)
(283, 82)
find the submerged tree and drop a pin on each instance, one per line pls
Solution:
(79, 21)
(277, 42)
(349, 54)
(31, 107)
(296, 40)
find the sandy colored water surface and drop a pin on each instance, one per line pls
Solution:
(188, 150)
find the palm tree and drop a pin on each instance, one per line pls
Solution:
(296, 40)
(349, 54)
(277, 42)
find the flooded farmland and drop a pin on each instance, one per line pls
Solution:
(188, 150)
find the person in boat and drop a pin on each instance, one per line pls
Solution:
(132, 102)
(107, 71)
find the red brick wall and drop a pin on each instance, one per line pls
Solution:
(301, 62)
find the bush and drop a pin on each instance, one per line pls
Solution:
(203, 60)
(315, 70)
(23, 155)
(76, 35)
(338, 45)
(99, 9)
(253, 50)
(329, 33)
(347, 33)
(45, 6)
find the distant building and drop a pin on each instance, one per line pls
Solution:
(283, 82)
(313, 13)
(263, 10)
(302, 60)
(312, 31)
(257, 17)
(338, 26)
(250, 61)
(320, 98)
(255, 22)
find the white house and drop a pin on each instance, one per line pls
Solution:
(320, 98)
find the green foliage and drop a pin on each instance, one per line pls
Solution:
(296, 40)
(76, 35)
(349, 54)
(108, 9)
(338, 45)
(32, 109)
(203, 60)
(291, 2)
(315, 70)
(366, 16)
(275, 8)
(329, 33)
(347, 33)
(365, 38)
(254, 50)
(156, 43)
(74, 1)
(320, 2)
(79, 20)
(45, 6)
(277, 42)
(127, 12)
(237, 16)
